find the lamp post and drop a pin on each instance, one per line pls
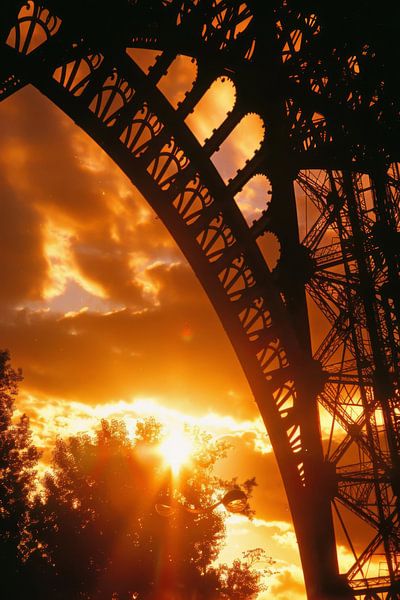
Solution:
(234, 501)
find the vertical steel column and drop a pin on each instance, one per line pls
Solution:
(312, 514)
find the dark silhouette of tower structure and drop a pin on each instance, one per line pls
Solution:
(323, 77)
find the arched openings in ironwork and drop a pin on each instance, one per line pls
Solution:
(114, 95)
(76, 74)
(212, 110)
(240, 146)
(144, 57)
(270, 248)
(34, 26)
(254, 197)
(253, 200)
(141, 130)
(178, 81)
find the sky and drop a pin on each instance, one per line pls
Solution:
(104, 316)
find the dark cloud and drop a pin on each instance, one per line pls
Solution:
(39, 154)
(177, 285)
(23, 266)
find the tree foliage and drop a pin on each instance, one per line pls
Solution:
(94, 532)
(18, 460)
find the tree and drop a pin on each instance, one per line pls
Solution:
(238, 582)
(103, 538)
(18, 461)
(95, 532)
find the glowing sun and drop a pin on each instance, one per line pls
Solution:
(176, 449)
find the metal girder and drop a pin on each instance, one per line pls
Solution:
(332, 130)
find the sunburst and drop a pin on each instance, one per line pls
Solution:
(176, 449)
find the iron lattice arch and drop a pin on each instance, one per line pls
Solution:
(323, 81)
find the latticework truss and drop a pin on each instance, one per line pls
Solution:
(322, 78)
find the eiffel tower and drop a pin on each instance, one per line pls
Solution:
(322, 80)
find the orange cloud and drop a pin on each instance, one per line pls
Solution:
(288, 583)
(82, 220)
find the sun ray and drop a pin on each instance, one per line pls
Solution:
(176, 449)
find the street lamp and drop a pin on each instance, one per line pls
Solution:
(235, 501)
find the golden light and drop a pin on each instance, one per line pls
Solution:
(176, 449)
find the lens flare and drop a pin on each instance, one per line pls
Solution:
(187, 333)
(176, 449)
